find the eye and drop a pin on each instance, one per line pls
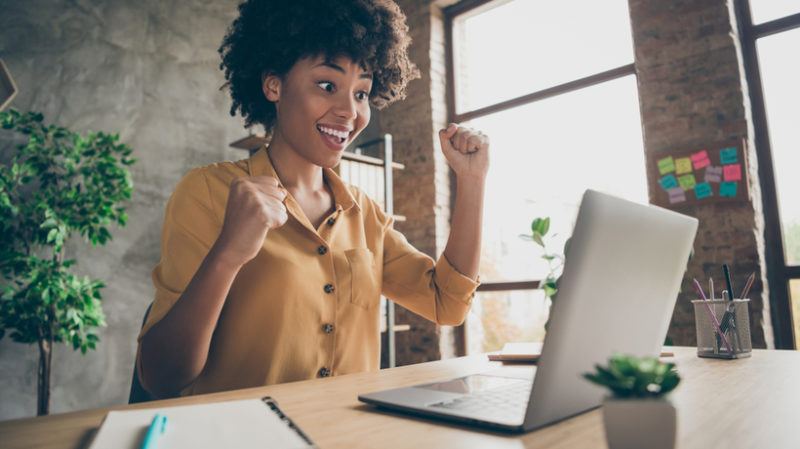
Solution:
(362, 95)
(327, 86)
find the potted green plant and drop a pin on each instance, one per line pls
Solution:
(637, 413)
(540, 227)
(54, 184)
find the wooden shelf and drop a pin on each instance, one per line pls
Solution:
(369, 160)
(397, 327)
(254, 142)
(249, 143)
(8, 88)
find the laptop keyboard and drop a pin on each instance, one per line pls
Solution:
(506, 403)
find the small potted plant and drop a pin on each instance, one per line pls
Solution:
(637, 413)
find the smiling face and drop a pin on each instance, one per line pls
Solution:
(322, 104)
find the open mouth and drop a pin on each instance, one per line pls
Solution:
(338, 137)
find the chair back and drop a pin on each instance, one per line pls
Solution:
(138, 393)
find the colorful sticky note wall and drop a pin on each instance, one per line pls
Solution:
(687, 182)
(713, 174)
(683, 165)
(703, 190)
(732, 172)
(666, 165)
(700, 159)
(708, 173)
(676, 195)
(727, 189)
(728, 156)
(668, 182)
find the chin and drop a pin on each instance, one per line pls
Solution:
(329, 160)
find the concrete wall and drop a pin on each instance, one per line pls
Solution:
(148, 70)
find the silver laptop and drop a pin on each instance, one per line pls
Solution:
(623, 270)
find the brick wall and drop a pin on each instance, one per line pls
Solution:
(422, 190)
(692, 92)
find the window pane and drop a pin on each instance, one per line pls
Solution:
(766, 10)
(500, 317)
(794, 300)
(780, 74)
(544, 155)
(523, 46)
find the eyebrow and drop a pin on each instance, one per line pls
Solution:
(338, 68)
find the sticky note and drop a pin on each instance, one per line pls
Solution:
(676, 195)
(683, 165)
(727, 189)
(668, 182)
(700, 159)
(713, 174)
(666, 165)
(733, 172)
(687, 182)
(703, 190)
(728, 155)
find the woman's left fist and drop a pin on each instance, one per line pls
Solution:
(466, 150)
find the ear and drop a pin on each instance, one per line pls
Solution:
(271, 86)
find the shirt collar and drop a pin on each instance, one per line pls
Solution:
(260, 164)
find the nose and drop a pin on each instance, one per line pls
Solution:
(346, 106)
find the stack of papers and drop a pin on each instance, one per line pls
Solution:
(530, 352)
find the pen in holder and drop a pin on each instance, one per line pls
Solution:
(726, 334)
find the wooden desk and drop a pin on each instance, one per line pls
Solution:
(748, 403)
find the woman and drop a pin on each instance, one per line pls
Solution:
(272, 268)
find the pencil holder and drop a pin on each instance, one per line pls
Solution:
(732, 318)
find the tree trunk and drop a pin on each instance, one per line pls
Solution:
(45, 357)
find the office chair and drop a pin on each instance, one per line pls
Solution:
(138, 393)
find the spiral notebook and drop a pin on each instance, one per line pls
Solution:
(243, 424)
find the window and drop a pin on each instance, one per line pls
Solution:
(563, 116)
(770, 33)
(769, 10)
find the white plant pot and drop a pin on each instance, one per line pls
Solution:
(639, 423)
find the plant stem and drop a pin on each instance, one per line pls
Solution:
(45, 358)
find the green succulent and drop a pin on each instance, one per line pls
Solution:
(638, 377)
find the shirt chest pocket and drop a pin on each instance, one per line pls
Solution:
(362, 278)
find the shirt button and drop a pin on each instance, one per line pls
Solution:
(327, 328)
(328, 288)
(324, 372)
(331, 221)
(322, 250)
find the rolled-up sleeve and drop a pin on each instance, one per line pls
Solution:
(411, 278)
(190, 229)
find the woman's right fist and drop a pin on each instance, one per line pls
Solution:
(255, 205)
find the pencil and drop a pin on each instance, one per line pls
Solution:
(750, 280)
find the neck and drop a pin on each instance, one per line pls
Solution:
(295, 172)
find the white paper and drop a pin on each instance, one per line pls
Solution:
(241, 424)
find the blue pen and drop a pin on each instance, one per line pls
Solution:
(156, 429)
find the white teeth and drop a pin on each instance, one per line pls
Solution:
(340, 134)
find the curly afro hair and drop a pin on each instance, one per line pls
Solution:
(270, 36)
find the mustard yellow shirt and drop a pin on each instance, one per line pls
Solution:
(307, 305)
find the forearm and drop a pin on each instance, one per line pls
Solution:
(463, 249)
(174, 350)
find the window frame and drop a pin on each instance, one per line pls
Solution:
(779, 273)
(451, 13)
